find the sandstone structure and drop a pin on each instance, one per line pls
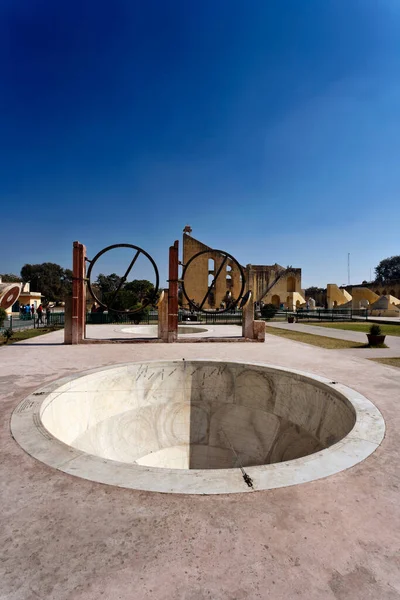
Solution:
(270, 284)
(384, 305)
(390, 288)
(273, 284)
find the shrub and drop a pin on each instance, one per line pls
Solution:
(3, 316)
(375, 330)
(7, 334)
(141, 314)
(268, 311)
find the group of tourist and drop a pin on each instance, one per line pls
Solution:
(28, 312)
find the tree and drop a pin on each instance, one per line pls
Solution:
(313, 291)
(108, 283)
(129, 295)
(54, 282)
(388, 269)
(318, 294)
(142, 288)
(10, 278)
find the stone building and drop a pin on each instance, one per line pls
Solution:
(359, 296)
(273, 284)
(391, 288)
(270, 284)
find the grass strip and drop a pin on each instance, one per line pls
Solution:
(361, 327)
(393, 362)
(26, 334)
(314, 340)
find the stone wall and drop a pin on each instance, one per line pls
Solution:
(391, 288)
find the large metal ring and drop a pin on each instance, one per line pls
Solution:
(199, 307)
(123, 279)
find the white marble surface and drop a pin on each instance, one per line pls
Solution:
(254, 415)
(143, 425)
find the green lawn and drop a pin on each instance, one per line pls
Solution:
(393, 362)
(362, 327)
(27, 334)
(314, 340)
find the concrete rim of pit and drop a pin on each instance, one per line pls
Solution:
(365, 437)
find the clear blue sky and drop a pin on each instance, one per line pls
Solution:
(272, 127)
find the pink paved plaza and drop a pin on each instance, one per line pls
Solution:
(66, 538)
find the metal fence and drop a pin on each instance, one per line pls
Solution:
(144, 318)
(333, 314)
(151, 317)
(105, 318)
(228, 318)
(32, 322)
(321, 314)
(280, 315)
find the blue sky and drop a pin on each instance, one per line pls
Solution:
(271, 127)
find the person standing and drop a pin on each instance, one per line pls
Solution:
(32, 311)
(39, 313)
(48, 313)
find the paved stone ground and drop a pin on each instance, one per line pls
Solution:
(63, 538)
(115, 331)
(384, 319)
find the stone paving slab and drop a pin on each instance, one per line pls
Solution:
(125, 332)
(63, 538)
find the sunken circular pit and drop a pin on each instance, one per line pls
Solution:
(199, 427)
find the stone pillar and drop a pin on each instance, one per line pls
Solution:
(68, 321)
(248, 320)
(251, 329)
(173, 293)
(250, 283)
(77, 331)
(259, 331)
(163, 317)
